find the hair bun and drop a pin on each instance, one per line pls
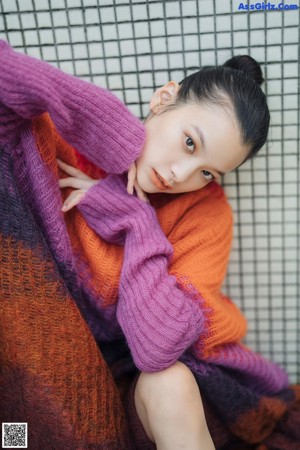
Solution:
(248, 65)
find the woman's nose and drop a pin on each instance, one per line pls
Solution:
(183, 170)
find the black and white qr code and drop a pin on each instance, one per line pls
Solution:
(14, 435)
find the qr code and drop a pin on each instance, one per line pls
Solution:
(14, 435)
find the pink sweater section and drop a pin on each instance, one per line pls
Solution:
(87, 117)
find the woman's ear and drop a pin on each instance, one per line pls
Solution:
(164, 96)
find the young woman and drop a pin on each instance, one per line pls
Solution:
(160, 262)
(195, 132)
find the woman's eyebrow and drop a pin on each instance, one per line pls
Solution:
(201, 137)
(200, 134)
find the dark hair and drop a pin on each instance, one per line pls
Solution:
(238, 80)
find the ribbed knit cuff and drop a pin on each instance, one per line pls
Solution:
(113, 213)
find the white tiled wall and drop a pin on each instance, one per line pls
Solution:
(135, 46)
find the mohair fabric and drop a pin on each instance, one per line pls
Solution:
(76, 286)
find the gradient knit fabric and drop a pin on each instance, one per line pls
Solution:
(150, 273)
(52, 374)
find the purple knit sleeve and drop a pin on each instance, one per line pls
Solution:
(160, 320)
(88, 117)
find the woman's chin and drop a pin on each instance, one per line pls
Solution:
(148, 189)
(146, 185)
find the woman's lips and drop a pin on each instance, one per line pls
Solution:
(159, 181)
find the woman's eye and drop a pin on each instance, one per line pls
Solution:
(190, 144)
(207, 175)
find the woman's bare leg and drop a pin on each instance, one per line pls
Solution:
(170, 408)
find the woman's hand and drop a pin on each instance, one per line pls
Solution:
(82, 183)
(77, 180)
(133, 184)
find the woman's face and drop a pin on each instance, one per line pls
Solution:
(188, 146)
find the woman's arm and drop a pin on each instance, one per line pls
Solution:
(159, 319)
(88, 117)
(199, 225)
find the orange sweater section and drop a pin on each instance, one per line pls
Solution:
(199, 225)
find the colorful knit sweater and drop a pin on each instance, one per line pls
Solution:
(150, 273)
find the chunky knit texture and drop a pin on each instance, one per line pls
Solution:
(124, 268)
(159, 319)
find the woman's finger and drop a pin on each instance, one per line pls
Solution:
(72, 200)
(70, 170)
(140, 193)
(131, 178)
(76, 183)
